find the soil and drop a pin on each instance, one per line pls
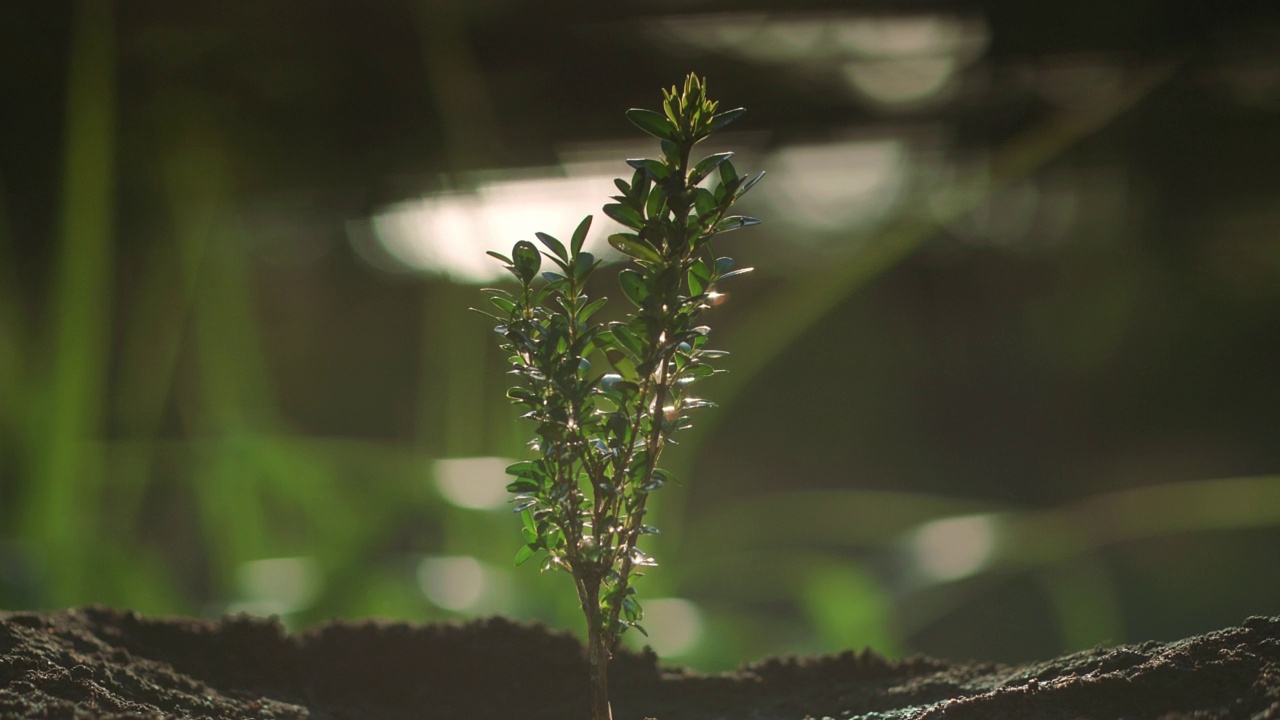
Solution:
(98, 662)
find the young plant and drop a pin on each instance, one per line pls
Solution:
(599, 435)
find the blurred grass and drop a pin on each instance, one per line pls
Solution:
(60, 516)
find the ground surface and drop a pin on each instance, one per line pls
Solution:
(102, 663)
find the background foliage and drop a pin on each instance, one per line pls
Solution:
(1005, 383)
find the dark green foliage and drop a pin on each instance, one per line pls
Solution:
(606, 400)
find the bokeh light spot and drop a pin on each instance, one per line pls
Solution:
(277, 586)
(674, 625)
(478, 483)
(837, 186)
(953, 548)
(453, 583)
(447, 234)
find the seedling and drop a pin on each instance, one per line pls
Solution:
(599, 435)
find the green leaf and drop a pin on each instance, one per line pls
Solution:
(627, 339)
(652, 123)
(634, 287)
(633, 246)
(656, 206)
(631, 609)
(605, 340)
(580, 234)
(640, 558)
(696, 287)
(584, 263)
(626, 389)
(527, 260)
(720, 120)
(749, 184)
(699, 370)
(653, 169)
(665, 476)
(704, 202)
(523, 395)
(521, 469)
(499, 256)
(734, 222)
(728, 175)
(706, 165)
(624, 215)
(699, 278)
(671, 106)
(590, 310)
(524, 553)
(640, 184)
(555, 245)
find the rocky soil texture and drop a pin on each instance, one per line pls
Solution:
(101, 663)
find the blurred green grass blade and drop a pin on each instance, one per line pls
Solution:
(234, 403)
(59, 516)
(849, 608)
(1085, 600)
(839, 518)
(455, 350)
(14, 341)
(152, 333)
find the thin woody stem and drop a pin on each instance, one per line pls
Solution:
(598, 642)
(654, 447)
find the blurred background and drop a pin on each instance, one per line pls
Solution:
(1004, 384)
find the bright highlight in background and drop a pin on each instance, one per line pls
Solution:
(448, 234)
(674, 625)
(477, 483)
(953, 548)
(892, 62)
(277, 586)
(454, 583)
(837, 186)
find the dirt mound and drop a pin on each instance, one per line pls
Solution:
(102, 663)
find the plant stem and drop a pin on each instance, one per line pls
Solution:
(598, 641)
